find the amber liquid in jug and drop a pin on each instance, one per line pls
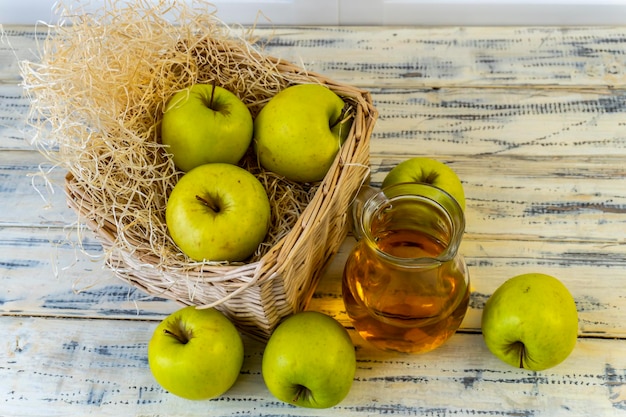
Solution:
(405, 288)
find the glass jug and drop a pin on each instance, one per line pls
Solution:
(404, 286)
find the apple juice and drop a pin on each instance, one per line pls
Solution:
(404, 286)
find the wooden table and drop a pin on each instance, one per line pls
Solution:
(532, 119)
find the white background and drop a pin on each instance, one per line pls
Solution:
(376, 12)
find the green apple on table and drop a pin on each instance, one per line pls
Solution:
(218, 212)
(531, 322)
(196, 354)
(309, 361)
(427, 171)
(298, 133)
(204, 124)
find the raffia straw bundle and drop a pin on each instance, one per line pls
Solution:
(98, 95)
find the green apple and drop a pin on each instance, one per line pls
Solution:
(531, 322)
(298, 133)
(196, 353)
(309, 361)
(204, 124)
(427, 171)
(218, 212)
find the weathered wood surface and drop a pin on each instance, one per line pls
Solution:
(532, 119)
(434, 57)
(56, 366)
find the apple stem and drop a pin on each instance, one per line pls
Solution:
(301, 392)
(212, 95)
(431, 177)
(181, 336)
(344, 110)
(521, 355)
(208, 203)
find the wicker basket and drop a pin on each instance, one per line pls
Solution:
(255, 295)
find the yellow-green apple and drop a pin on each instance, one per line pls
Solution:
(309, 361)
(428, 171)
(218, 212)
(204, 124)
(196, 353)
(531, 322)
(298, 133)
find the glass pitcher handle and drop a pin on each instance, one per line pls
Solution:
(356, 208)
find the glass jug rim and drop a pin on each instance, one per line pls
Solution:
(436, 196)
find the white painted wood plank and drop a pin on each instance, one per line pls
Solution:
(15, 133)
(52, 367)
(455, 121)
(551, 198)
(570, 198)
(467, 121)
(31, 194)
(47, 272)
(422, 56)
(591, 271)
(459, 56)
(43, 274)
(511, 122)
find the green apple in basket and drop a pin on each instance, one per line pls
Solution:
(204, 124)
(298, 133)
(196, 354)
(309, 361)
(531, 322)
(427, 171)
(218, 212)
